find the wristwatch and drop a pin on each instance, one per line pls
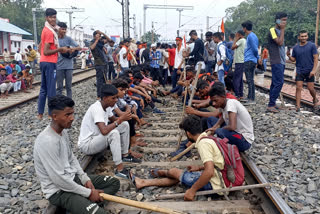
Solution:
(116, 123)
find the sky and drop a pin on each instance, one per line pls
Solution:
(106, 15)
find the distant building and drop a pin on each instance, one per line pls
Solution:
(11, 37)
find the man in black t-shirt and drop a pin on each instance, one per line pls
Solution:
(198, 50)
(306, 57)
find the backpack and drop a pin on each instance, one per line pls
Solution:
(233, 172)
(227, 64)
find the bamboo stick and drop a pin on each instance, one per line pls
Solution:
(186, 150)
(138, 204)
(209, 192)
(191, 98)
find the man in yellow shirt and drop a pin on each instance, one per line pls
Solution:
(196, 178)
(32, 55)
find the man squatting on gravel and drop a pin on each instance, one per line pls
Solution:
(100, 129)
(62, 179)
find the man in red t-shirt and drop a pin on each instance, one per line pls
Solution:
(49, 48)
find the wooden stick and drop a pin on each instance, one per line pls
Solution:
(183, 153)
(191, 97)
(186, 150)
(138, 204)
(209, 192)
(282, 100)
(134, 58)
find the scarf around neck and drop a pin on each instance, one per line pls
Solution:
(54, 31)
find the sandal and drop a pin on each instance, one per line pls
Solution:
(132, 178)
(272, 110)
(154, 173)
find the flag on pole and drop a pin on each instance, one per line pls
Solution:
(222, 26)
(184, 41)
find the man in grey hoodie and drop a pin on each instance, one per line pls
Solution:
(62, 180)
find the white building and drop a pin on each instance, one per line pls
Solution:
(11, 37)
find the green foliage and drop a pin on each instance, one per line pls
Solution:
(147, 37)
(19, 12)
(301, 16)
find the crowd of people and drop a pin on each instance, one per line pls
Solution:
(128, 84)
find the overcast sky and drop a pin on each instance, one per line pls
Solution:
(106, 15)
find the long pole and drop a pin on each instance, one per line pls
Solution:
(138, 204)
(209, 192)
(317, 23)
(35, 36)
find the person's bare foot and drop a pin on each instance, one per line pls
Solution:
(138, 182)
(40, 116)
(136, 154)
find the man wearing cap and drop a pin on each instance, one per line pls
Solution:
(155, 56)
(100, 60)
(197, 51)
(49, 49)
(178, 62)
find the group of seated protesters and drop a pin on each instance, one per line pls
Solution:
(112, 121)
(16, 77)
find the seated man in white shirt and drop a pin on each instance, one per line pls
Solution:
(235, 123)
(100, 129)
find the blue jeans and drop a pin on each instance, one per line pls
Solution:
(264, 61)
(277, 71)
(48, 84)
(238, 80)
(189, 178)
(249, 72)
(209, 66)
(111, 71)
(234, 138)
(221, 76)
(67, 76)
(174, 78)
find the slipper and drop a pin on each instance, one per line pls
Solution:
(141, 143)
(136, 154)
(132, 178)
(154, 173)
(272, 110)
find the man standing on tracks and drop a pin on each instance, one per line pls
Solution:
(197, 51)
(238, 46)
(49, 49)
(123, 55)
(210, 53)
(277, 59)
(251, 57)
(100, 63)
(62, 179)
(65, 61)
(306, 57)
(32, 56)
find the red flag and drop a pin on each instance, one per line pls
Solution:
(184, 41)
(222, 26)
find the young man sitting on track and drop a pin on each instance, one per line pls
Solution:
(196, 178)
(235, 122)
(100, 129)
(62, 179)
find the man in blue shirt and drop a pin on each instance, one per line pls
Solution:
(8, 68)
(277, 59)
(251, 57)
(155, 56)
(65, 61)
(306, 57)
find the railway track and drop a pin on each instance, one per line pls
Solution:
(22, 98)
(162, 138)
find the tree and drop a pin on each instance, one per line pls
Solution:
(301, 16)
(147, 37)
(19, 12)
